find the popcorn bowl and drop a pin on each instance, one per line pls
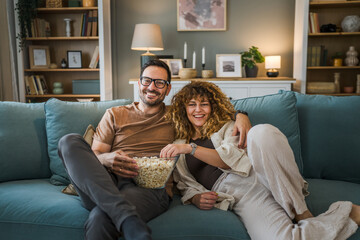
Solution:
(153, 171)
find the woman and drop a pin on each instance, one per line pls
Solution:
(262, 184)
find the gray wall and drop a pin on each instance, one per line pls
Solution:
(267, 24)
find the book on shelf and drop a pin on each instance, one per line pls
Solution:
(314, 26)
(94, 26)
(39, 28)
(317, 56)
(38, 84)
(94, 58)
(89, 24)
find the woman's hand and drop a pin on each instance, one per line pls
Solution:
(242, 126)
(172, 150)
(205, 201)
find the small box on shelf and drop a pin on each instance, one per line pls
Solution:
(86, 86)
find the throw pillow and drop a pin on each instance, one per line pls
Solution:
(70, 117)
(330, 136)
(278, 110)
(23, 153)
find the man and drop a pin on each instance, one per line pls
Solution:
(102, 174)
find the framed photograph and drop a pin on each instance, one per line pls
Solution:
(201, 15)
(39, 56)
(175, 65)
(74, 59)
(228, 65)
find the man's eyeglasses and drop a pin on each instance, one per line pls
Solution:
(159, 83)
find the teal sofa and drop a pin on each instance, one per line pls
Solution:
(323, 131)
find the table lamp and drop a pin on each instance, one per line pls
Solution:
(147, 37)
(272, 63)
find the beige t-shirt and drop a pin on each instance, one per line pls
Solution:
(128, 129)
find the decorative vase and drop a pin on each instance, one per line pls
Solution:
(251, 72)
(67, 28)
(58, 89)
(88, 3)
(351, 57)
(351, 23)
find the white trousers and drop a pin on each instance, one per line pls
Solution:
(264, 201)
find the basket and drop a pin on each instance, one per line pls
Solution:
(54, 3)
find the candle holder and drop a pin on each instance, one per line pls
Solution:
(185, 60)
(203, 66)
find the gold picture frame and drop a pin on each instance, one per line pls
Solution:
(39, 56)
(212, 16)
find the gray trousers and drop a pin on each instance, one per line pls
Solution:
(264, 201)
(109, 197)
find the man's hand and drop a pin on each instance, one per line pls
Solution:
(242, 126)
(205, 201)
(120, 163)
(172, 150)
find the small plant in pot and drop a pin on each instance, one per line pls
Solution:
(249, 59)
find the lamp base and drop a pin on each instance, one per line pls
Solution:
(272, 73)
(144, 58)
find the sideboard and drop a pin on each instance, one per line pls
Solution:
(234, 88)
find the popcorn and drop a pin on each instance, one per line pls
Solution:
(154, 171)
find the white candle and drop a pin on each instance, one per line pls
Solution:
(203, 55)
(194, 60)
(185, 50)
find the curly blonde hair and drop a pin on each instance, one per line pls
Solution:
(222, 110)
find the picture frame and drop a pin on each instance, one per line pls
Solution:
(39, 56)
(201, 15)
(74, 59)
(175, 65)
(228, 65)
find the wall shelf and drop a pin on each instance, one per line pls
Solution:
(63, 70)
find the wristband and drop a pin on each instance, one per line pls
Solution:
(240, 111)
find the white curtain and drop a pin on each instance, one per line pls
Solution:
(9, 90)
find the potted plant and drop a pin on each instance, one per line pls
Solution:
(249, 59)
(26, 11)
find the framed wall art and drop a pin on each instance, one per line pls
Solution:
(39, 56)
(201, 15)
(74, 59)
(228, 65)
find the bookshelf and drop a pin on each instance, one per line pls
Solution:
(59, 44)
(328, 12)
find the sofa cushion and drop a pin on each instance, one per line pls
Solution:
(23, 148)
(36, 209)
(278, 110)
(325, 192)
(330, 136)
(70, 117)
(188, 222)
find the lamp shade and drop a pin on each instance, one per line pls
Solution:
(147, 37)
(272, 62)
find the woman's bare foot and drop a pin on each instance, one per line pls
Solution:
(355, 214)
(304, 215)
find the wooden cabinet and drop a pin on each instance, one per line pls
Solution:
(234, 88)
(59, 44)
(328, 12)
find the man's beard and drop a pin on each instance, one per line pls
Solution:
(151, 104)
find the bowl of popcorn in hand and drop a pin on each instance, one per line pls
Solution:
(153, 171)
